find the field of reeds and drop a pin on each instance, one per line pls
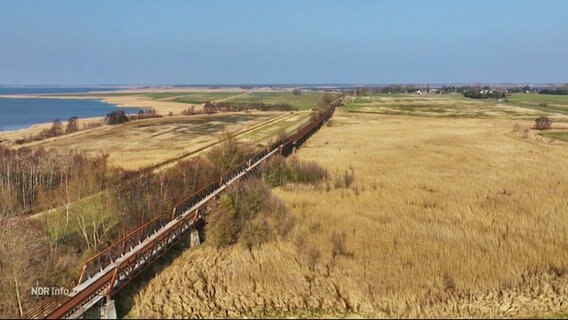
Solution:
(418, 217)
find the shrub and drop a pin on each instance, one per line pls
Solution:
(338, 247)
(256, 233)
(189, 111)
(279, 171)
(306, 171)
(72, 125)
(55, 130)
(345, 180)
(327, 99)
(542, 123)
(145, 114)
(116, 117)
(247, 214)
(223, 227)
(228, 154)
(276, 172)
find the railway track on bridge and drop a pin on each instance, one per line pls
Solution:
(111, 269)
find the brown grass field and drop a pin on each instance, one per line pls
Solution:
(460, 217)
(146, 142)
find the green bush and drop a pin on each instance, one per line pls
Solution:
(247, 214)
(255, 233)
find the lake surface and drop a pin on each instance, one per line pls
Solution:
(16, 113)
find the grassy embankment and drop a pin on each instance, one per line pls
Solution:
(461, 217)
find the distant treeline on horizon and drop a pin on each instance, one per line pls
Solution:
(473, 91)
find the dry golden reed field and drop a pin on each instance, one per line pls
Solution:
(445, 217)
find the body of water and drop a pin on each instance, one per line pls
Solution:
(53, 89)
(18, 113)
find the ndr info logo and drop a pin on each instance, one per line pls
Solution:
(49, 291)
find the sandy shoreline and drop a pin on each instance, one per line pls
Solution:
(126, 102)
(129, 102)
(10, 136)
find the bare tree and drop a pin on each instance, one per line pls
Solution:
(53, 230)
(115, 117)
(72, 125)
(56, 128)
(94, 221)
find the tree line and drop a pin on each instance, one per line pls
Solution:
(556, 91)
(212, 107)
(34, 178)
(113, 118)
(57, 129)
(119, 116)
(484, 94)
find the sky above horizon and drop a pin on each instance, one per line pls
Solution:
(279, 42)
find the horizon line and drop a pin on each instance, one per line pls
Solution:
(279, 84)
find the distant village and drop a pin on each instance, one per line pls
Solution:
(469, 91)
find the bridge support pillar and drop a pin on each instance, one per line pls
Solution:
(194, 238)
(108, 310)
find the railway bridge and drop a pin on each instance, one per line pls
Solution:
(111, 269)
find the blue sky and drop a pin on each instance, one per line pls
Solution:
(229, 42)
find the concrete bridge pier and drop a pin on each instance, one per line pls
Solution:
(101, 310)
(108, 310)
(191, 240)
(195, 240)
